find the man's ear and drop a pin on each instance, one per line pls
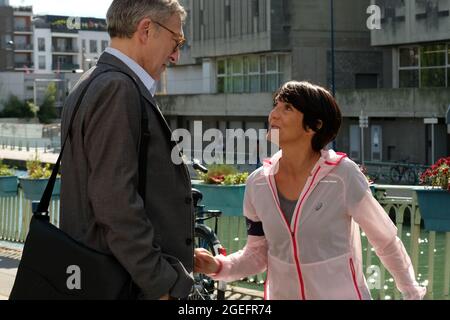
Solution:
(144, 29)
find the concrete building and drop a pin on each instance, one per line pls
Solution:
(239, 52)
(66, 44)
(23, 39)
(6, 38)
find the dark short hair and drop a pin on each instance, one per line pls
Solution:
(316, 103)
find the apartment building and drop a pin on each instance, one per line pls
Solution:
(6, 37)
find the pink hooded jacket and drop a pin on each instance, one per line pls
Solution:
(318, 255)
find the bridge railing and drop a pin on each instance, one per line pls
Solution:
(432, 269)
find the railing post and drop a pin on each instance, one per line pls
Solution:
(415, 233)
(431, 247)
(447, 266)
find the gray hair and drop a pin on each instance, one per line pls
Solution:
(124, 16)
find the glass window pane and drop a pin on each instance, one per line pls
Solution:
(254, 64)
(245, 65)
(221, 85)
(272, 82)
(236, 66)
(228, 85)
(448, 54)
(41, 44)
(272, 63)
(432, 56)
(432, 78)
(237, 84)
(448, 77)
(263, 64)
(409, 78)
(281, 63)
(221, 67)
(254, 84)
(409, 57)
(246, 83)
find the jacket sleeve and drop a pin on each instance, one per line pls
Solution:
(112, 132)
(382, 235)
(252, 259)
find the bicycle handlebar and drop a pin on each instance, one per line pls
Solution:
(197, 166)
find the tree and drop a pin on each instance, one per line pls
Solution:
(47, 111)
(15, 108)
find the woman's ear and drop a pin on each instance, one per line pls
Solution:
(319, 125)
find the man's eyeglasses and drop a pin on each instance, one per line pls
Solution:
(179, 39)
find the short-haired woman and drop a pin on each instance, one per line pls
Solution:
(304, 209)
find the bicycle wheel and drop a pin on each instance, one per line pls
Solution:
(206, 288)
(395, 175)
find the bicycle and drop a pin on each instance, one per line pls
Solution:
(204, 287)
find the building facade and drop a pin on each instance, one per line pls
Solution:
(6, 39)
(239, 52)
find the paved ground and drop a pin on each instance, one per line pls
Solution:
(27, 155)
(10, 258)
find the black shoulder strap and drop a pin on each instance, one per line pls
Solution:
(42, 207)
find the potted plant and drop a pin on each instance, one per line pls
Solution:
(34, 184)
(8, 181)
(223, 189)
(434, 201)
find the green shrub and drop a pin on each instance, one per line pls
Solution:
(223, 174)
(38, 170)
(15, 108)
(5, 170)
(47, 111)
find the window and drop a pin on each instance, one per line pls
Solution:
(105, 44)
(41, 44)
(254, 73)
(83, 45)
(93, 46)
(42, 65)
(366, 81)
(425, 66)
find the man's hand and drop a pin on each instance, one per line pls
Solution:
(165, 297)
(204, 262)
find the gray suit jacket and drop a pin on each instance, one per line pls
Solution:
(100, 203)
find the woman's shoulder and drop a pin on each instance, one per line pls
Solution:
(347, 167)
(256, 176)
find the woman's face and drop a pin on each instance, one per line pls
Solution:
(286, 122)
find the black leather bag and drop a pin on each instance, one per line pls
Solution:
(56, 267)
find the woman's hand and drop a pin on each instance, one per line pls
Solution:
(204, 262)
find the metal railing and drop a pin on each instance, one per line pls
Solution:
(432, 269)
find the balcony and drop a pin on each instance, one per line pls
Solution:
(65, 49)
(23, 65)
(26, 29)
(23, 47)
(65, 66)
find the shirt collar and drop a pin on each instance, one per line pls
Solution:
(143, 75)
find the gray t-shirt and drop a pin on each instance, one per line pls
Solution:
(287, 206)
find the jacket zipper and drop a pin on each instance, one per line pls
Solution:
(355, 283)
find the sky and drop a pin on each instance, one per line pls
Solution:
(74, 8)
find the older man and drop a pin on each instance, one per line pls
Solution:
(142, 215)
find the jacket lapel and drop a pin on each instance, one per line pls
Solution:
(111, 60)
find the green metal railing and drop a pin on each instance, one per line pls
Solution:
(429, 251)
